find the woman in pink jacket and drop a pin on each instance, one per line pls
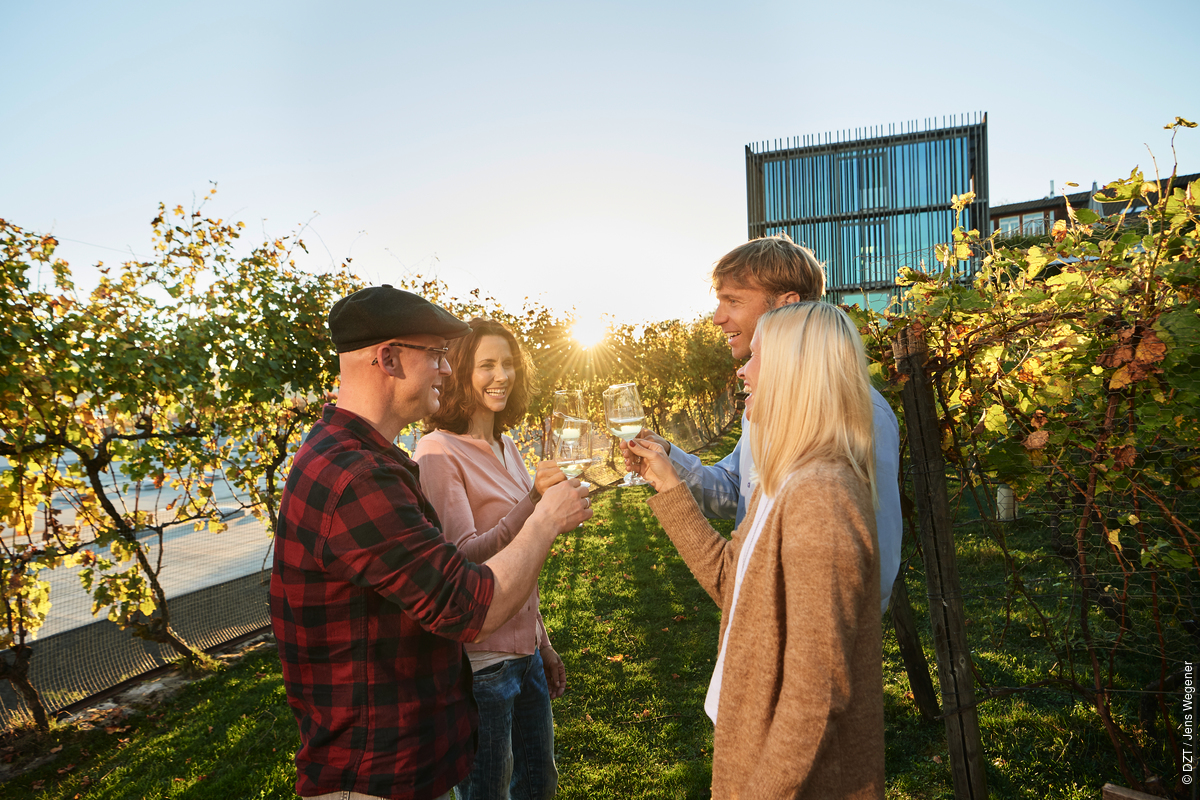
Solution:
(476, 480)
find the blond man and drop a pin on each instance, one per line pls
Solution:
(750, 280)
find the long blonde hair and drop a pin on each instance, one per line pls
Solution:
(813, 398)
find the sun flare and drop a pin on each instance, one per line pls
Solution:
(589, 332)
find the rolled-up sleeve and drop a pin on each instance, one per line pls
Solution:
(379, 538)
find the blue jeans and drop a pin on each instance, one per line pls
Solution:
(516, 734)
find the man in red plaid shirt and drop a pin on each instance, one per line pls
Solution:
(369, 602)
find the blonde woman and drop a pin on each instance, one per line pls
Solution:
(796, 695)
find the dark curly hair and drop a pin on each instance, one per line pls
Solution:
(458, 400)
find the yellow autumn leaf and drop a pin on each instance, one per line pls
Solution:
(1120, 378)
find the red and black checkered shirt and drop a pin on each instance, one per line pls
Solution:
(370, 605)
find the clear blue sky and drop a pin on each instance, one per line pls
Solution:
(587, 153)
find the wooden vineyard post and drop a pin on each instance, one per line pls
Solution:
(910, 650)
(941, 570)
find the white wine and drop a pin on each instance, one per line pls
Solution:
(624, 414)
(625, 429)
(573, 444)
(573, 469)
(568, 429)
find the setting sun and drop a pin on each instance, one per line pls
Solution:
(589, 332)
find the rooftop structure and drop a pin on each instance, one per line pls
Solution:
(1037, 217)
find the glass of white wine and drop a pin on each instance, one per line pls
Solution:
(568, 406)
(623, 412)
(573, 446)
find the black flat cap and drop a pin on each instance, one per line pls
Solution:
(378, 313)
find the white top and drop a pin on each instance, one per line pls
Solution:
(712, 699)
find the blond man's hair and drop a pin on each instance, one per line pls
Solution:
(775, 263)
(813, 398)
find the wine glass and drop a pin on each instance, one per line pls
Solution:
(623, 412)
(568, 405)
(573, 446)
(570, 402)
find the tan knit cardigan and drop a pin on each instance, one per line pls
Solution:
(801, 708)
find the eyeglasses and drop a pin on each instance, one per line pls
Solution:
(439, 351)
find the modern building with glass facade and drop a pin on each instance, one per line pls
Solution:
(870, 202)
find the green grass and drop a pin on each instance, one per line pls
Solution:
(228, 735)
(638, 637)
(1038, 744)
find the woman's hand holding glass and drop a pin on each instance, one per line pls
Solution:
(632, 462)
(656, 468)
(547, 474)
